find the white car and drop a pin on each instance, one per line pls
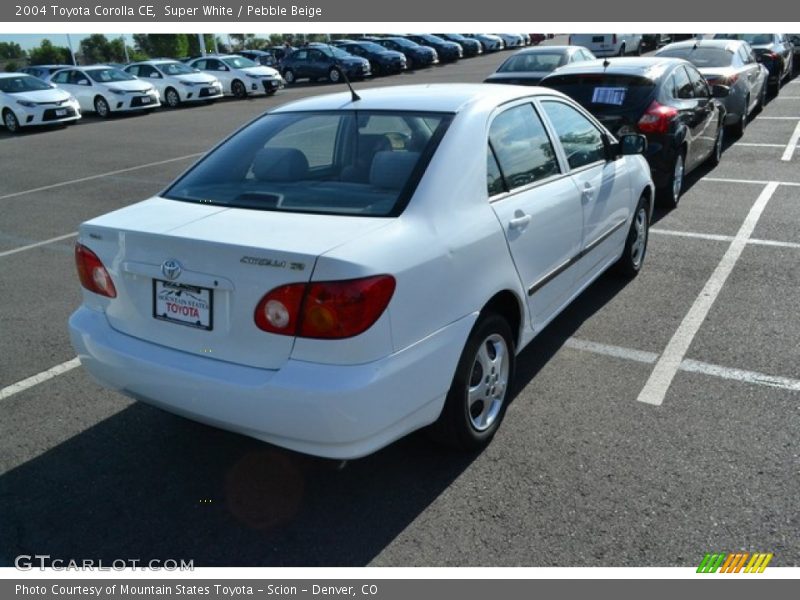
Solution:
(176, 82)
(608, 44)
(339, 273)
(511, 40)
(106, 90)
(240, 76)
(26, 100)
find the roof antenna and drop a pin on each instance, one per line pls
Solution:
(353, 96)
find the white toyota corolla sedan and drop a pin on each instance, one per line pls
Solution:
(176, 82)
(240, 76)
(341, 272)
(26, 100)
(106, 90)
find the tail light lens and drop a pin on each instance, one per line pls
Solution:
(325, 309)
(729, 80)
(92, 273)
(657, 118)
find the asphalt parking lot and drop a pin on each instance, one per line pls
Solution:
(652, 422)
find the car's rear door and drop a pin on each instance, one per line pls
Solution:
(603, 184)
(537, 205)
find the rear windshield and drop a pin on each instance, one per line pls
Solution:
(750, 38)
(604, 93)
(701, 57)
(337, 162)
(533, 61)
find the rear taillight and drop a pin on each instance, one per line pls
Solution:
(657, 118)
(717, 80)
(325, 309)
(92, 273)
(614, 38)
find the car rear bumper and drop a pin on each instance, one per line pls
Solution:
(327, 410)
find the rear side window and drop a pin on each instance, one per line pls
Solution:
(333, 162)
(522, 147)
(582, 141)
(681, 85)
(604, 93)
(699, 84)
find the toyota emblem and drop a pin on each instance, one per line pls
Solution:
(171, 269)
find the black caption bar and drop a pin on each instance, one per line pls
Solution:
(361, 11)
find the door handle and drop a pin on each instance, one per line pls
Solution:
(588, 191)
(519, 222)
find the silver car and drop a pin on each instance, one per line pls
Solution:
(731, 63)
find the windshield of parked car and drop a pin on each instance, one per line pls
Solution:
(604, 93)
(456, 37)
(335, 52)
(701, 56)
(533, 61)
(334, 162)
(751, 38)
(108, 75)
(431, 39)
(22, 83)
(371, 46)
(404, 42)
(239, 62)
(176, 68)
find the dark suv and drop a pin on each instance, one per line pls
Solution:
(666, 99)
(323, 62)
(381, 60)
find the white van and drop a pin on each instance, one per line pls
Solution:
(608, 44)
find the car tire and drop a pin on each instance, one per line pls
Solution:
(288, 75)
(632, 259)
(334, 75)
(101, 107)
(11, 121)
(171, 98)
(484, 372)
(716, 153)
(740, 125)
(238, 89)
(670, 194)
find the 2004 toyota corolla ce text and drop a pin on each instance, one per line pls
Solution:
(342, 271)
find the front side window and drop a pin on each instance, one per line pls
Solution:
(582, 141)
(62, 77)
(682, 85)
(699, 84)
(334, 162)
(522, 147)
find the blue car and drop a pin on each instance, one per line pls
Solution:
(416, 55)
(322, 61)
(470, 47)
(447, 51)
(381, 60)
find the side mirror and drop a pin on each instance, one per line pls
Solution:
(720, 91)
(632, 143)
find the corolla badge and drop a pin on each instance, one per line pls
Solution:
(171, 269)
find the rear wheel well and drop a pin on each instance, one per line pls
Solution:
(507, 305)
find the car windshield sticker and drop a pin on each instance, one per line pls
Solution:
(609, 95)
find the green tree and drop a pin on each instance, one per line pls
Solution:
(11, 50)
(11, 67)
(170, 45)
(46, 54)
(98, 49)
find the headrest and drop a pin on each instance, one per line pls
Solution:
(391, 170)
(280, 164)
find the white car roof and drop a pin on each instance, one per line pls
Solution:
(7, 75)
(441, 97)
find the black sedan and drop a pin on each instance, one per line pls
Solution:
(416, 55)
(773, 50)
(381, 60)
(531, 65)
(666, 99)
(447, 51)
(323, 62)
(470, 47)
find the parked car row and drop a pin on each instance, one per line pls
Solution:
(683, 99)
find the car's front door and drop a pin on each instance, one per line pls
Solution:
(538, 207)
(603, 185)
(707, 115)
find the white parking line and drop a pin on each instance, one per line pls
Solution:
(778, 118)
(752, 181)
(37, 244)
(792, 145)
(756, 145)
(99, 176)
(688, 365)
(33, 380)
(787, 98)
(668, 364)
(723, 238)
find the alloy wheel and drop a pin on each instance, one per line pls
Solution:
(488, 382)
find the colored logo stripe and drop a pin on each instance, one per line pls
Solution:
(734, 561)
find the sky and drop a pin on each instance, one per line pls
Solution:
(28, 41)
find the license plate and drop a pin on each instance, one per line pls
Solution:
(183, 304)
(61, 112)
(145, 99)
(211, 90)
(598, 39)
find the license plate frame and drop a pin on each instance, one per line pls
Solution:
(146, 99)
(182, 315)
(61, 112)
